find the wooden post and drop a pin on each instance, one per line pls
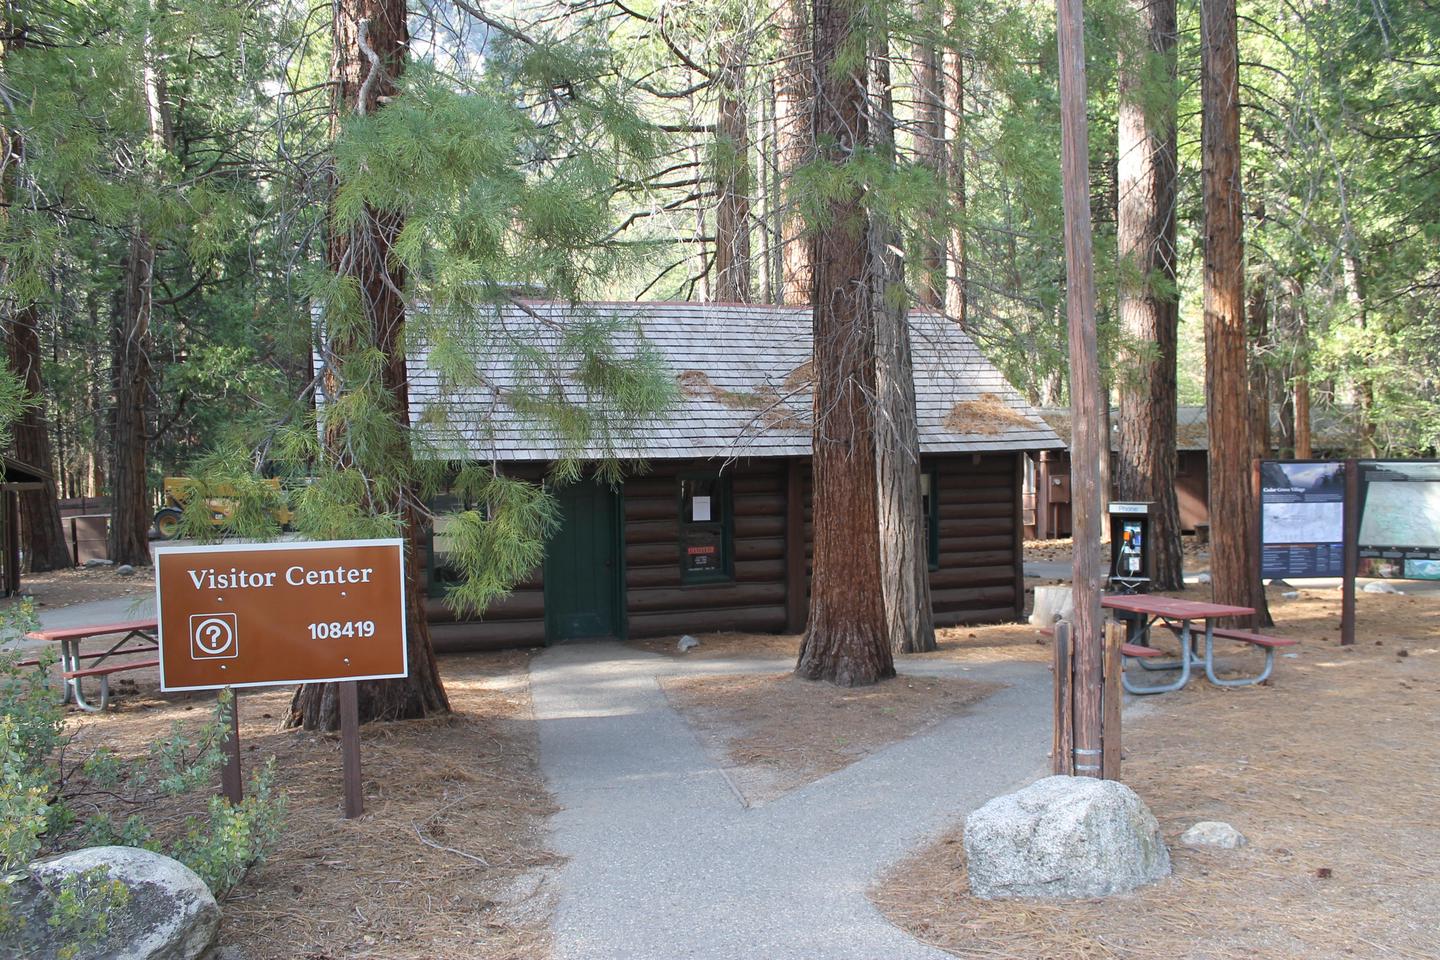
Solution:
(231, 784)
(1351, 551)
(1063, 748)
(1088, 443)
(350, 748)
(1019, 541)
(1257, 538)
(1114, 693)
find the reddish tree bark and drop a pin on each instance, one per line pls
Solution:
(364, 253)
(1232, 510)
(956, 299)
(793, 94)
(43, 535)
(930, 153)
(130, 511)
(732, 180)
(846, 641)
(1149, 314)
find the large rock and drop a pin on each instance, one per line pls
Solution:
(170, 915)
(1064, 837)
(1053, 604)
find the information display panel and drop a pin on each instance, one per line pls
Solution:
(1400, 513)
(1302, 519)
(244, 615)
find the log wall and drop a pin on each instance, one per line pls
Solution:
(979, 577)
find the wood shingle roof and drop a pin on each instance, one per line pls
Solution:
(744, 385)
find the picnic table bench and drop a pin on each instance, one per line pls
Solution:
(136, 637)
(1145, 611)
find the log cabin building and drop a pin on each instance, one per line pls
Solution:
(710, 530)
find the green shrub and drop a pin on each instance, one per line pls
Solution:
(59, 794)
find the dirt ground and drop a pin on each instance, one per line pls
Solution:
(1006, 641)
(1332, 771)
(61, 588)
(775, 732)
(449, 859)
(1059, 550)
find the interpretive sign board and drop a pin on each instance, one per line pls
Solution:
(246, 615)
(1400, 511)
(1302, 519)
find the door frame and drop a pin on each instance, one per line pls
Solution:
(619, 614)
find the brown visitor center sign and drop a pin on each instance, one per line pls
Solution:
(261, 614)
(271, 614)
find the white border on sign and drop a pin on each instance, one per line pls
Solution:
(397, 542)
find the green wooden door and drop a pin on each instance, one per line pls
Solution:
(582, 566)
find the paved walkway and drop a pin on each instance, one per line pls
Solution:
(665, 860)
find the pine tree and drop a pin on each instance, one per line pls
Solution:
(1232, 509)
(1149, 311)
(846, 641)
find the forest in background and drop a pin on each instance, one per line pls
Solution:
(167, 165)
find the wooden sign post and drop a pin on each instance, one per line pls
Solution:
(275, 614)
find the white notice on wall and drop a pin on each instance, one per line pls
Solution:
(699, 509)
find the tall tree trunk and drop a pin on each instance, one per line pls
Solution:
(130, 508)
(845, 641)
(1298, 338)
(793, 102)
(42, 533)
(130, 513)
(40, 526)
(1258, 312)
(364, 254)
(930, 154)
(1232, 509)
(956, 299)
(1365, 385)
(732, 180)
(1149, 314)
(760, 160)
(904, 562)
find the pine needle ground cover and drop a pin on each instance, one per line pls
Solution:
(449, 859)
(772, 733)
(1329, 771)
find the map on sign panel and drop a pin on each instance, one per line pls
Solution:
(1304, 522)
(1401, 513)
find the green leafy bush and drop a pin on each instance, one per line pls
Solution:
(59, 794)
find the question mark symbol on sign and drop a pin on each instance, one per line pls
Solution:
(213, 635)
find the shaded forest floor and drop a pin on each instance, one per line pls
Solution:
(1330, 771)
(449, 859)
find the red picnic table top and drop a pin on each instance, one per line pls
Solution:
(93, 630)
(1172, 608)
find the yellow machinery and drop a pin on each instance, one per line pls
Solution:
(221, 505)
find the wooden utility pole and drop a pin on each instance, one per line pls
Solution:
(1088, 444)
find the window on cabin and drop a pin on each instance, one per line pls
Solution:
(706, 529)
(443, 573)
(930, 509)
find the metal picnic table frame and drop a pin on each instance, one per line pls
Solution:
(1143, 611)
(72, 659)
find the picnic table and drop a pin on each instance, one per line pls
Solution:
(136, 637)
(1143, 611)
